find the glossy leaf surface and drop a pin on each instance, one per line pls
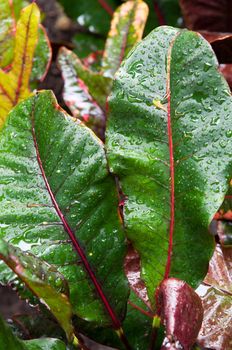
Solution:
(77, 96)
(9, 341)
(126, 30)
(181, 313)
(76, 205)
(43, 280)
(170, 111)
(14, 85)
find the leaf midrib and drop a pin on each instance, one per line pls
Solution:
(116, 323)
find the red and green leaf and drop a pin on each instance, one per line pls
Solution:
(181, 312)
(126, 30)
(72, 221)
(167, 133)
(79, 82)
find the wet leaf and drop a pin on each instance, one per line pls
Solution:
(126, 30)
(43, 280)
(77, 95)
(59, 202)
(14, 85)
(9, 341)
(170, 111)
(181, 312)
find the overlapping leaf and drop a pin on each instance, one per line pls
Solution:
(126, 30)
(43, 280)
(55, 192)
(167, 133)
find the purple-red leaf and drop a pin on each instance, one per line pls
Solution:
(212, 15)
(181, 312)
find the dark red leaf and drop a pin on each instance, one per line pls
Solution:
(181, 312)
(212, 15)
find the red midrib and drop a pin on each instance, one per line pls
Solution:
(116, 323)
(106, 7)
(172, 169)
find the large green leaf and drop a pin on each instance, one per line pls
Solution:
(43, 280)
(56, 194)
(167, 134)
(9, 341)
(126, 30)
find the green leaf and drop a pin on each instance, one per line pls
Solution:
(126, 30)
(43, 280)
(9, 341)
(170, 112)
(56, 194)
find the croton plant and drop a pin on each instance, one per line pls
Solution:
(115, 217)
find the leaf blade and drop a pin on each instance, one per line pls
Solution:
(140, 155)
(85, 207)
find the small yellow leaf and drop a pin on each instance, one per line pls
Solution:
(14, 85)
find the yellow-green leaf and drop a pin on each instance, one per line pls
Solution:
(14, 85)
